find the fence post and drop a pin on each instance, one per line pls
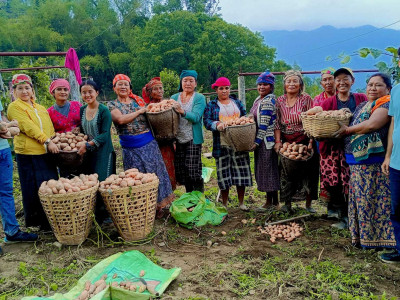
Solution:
(242, 90)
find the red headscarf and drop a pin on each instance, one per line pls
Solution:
(138, 100)
(146, 91)
(59, 83)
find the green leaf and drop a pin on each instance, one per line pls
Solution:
(363, 52)
(382, 66)
(54, 286)
(345, 59)
(375, 53)
(328, 58)
(392, 50)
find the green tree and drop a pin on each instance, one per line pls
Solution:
(170, 80)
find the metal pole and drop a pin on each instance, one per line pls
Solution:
(30, 68)
(305, 72)
(242, 90)
(33, 53)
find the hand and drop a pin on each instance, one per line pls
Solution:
(341, 131)
(76, 130)
(142, 110)
(178, 108)
(4, 134)
(221, 126)
(82, 150)
(253, 147)
(52, 148)
(278, 147)
(385, 166)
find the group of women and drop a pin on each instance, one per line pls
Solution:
(360, 145)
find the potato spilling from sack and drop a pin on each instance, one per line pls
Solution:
(161, 106)
(241, 121)
(296, 151)
(11, 127)
(130, 177)
(68, 141)
(66, 186)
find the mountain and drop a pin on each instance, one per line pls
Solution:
(309, 49)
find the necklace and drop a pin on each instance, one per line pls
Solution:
(186, 98)
(90, 112)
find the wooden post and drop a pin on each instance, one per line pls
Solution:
(242, 90)
(75, 94)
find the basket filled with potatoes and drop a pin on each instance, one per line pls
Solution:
(294, 157)
(323, 124)
(69, 205)
(163, 119)
(11, 127)
(68, 144)
(131, 199)
(240, 133)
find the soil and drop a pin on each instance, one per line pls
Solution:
(243, 264)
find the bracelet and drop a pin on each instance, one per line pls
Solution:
(278, 142)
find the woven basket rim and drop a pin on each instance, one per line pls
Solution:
(160, 112)
(71, 194)
(302, 160)
(135, 187)
(315, 117)
(238, 125)
(68, 152)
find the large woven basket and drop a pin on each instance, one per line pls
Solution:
(323, 127)
(69, 214)
(68, 159)
(295, 168)
(164, 124)
(132, 209)
(240, 137)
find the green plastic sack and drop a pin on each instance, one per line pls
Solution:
(206, 174)
(204, 211)
(128, 266)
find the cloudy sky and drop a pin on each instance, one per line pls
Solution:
(261, 15)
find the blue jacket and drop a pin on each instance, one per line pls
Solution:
(211, 115)
(195, 116)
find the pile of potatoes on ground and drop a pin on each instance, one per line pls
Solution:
(92, 289)
(286, 232)
(66, 186)
(130, 177)
(68, 141)
(12, 128)
(241, 121)
(161, 106)
(320, 113)
(296, 151)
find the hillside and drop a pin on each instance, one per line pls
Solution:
(309, 49)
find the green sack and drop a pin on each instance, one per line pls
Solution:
(127, 266)
(203, 210)
(206, 174)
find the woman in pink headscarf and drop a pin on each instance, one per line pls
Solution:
(64, 113)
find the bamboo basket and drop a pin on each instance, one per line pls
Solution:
(70, 215)
(132, 209)
(294, 167)
(164, 124)
(240, 137)
(323, 127)
(68, 159)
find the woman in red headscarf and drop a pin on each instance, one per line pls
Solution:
(64, 114)
(139, 148)
(153, 92)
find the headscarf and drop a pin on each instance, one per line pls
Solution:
(222, 81)
(292, 73)
(146, 91)
(119, 77)
(186, 73)
(328, 70)
(59, 83)
(266, 77)
(21, 78)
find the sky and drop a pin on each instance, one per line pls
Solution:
(260, 15)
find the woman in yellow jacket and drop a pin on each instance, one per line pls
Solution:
(31, 147)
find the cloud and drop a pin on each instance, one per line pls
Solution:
(262, 15)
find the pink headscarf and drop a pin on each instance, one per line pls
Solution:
(222, 81)
(59, 83)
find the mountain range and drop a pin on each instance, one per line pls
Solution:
(310, 49)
